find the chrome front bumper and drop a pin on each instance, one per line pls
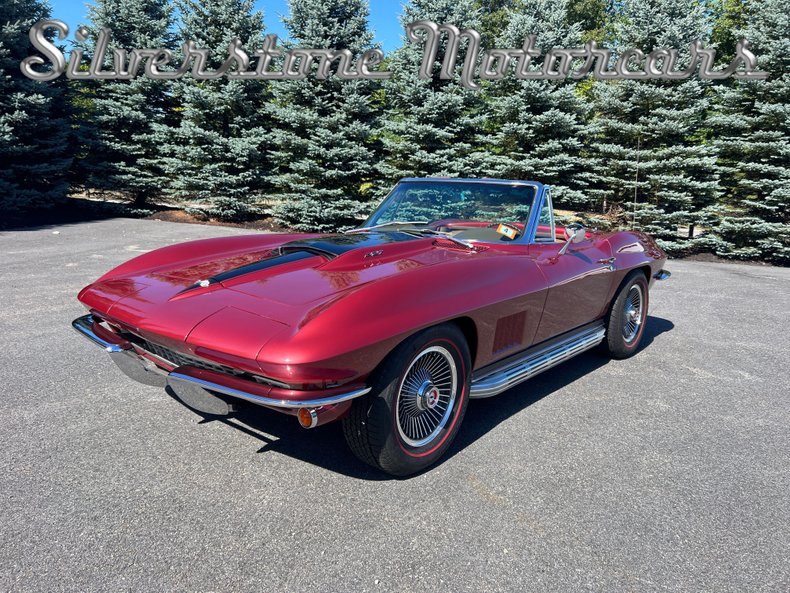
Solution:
(84, 325)
(179, 382)
(184, 380)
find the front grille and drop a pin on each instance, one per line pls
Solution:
(178, 359)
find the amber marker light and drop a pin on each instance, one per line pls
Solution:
(308, 417)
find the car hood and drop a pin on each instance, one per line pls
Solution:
(194, 293)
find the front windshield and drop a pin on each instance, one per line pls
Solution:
(475, 211)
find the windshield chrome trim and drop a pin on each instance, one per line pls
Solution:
(545, 195)
(536, 184)
(528, 237)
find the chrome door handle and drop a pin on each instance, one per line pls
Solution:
(609, 262)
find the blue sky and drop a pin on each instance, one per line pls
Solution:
(383, 17)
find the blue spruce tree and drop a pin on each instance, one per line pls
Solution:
(753, 124)
(35, 141)
(324, 152)
(533, 129)
(120, 118)
(215, 156)
(650, 139)
(431, 126)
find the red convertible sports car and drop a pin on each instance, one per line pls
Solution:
(452, 289)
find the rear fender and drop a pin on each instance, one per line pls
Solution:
(633, 250)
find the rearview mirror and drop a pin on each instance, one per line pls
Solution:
(574, 233)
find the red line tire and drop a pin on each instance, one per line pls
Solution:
(416, 405)
(625, 324)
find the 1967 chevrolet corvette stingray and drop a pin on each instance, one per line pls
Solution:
(451, 289)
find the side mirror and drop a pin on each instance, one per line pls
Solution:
(574, 233)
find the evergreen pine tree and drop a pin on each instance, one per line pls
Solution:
(324, 149)
(592, 16)
(431, 126)
(34, 128)
(728, 20)
(533, 128)
(120, 117)
(753, 125)
(494, 18)
(215, 157)
(649, 138)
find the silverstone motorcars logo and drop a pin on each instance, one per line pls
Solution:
(273, 63)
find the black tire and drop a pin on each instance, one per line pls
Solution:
(373, 428)
(625, 326)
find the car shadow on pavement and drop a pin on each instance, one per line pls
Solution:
(325, 446)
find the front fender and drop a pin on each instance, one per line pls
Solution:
(350, 335)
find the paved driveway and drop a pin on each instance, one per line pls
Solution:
(666, 472)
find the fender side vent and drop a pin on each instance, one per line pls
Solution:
(509, 331)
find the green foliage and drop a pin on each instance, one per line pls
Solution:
(430, 127)
(215, 154)
(494, 17)
(703, 166)
(729, 18)
(323, 144)
(592, 16)
(119, 119)
(533, 128)
(647, 139)
(35, 141)
(752, 121)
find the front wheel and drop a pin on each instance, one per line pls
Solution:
(626, 321)
(416, 405)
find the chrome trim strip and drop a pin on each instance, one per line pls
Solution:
(483, 181)
(174, 378)
(536, 362)
(531, 226)
(662, 274)
(84, 326)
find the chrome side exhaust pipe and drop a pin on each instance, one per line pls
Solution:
(537, 361)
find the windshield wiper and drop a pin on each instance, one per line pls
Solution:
(443, 235)
(418, 232)
(386, 224)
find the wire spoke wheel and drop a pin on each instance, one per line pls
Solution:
(416, 405)
(426, 396)
(632, 313)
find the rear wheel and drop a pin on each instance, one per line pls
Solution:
(625, 324)
(416, 405)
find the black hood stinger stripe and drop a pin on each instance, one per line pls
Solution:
(328, 246)
(284, 258)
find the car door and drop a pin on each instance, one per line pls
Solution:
(579, 280)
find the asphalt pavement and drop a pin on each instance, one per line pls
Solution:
(669, 471)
